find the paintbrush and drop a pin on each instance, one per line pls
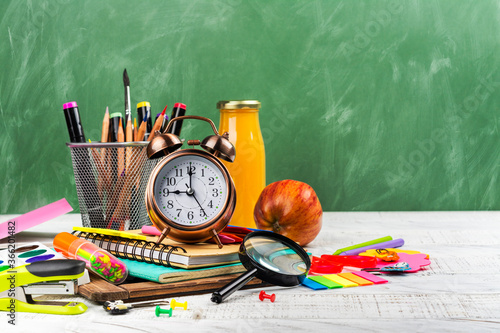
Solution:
(157, 125)
(126, 84)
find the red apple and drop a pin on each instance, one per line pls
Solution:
(290, 208)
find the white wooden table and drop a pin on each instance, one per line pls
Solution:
(458, 292)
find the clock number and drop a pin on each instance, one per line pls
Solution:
(203, 213)
(179, 211)
(178, 172)
(192, 170)
(170, 204)
(211, 179)
(165, 192)
(190, 215)
(210, 204)
(203, 172)
(215, 192)
(171, 181)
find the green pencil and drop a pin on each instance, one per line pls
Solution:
(357, 246)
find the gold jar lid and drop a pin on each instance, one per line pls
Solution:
(233, 105)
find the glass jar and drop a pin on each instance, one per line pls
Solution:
(241, 120)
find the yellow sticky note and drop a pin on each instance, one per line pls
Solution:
(356, 279)
(340, 280)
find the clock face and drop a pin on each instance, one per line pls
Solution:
(190, 190)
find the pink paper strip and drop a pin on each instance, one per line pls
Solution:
(35, 217)
(370, 277)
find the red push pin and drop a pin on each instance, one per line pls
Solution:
(263, 295)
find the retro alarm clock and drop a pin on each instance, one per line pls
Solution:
(190, 195)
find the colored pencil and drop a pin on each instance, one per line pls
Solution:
(357, 246)
(142, 129)
(157, 125)
(113, 196)
(164, 125)
(129, 133)
(103, 176)
(120, 138)
(135, 129)
(105, 126)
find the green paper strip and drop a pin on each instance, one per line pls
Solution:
(357, 246)
(324, 281)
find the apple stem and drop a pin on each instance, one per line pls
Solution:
(276, 227)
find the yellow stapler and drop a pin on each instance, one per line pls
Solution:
(53, 277)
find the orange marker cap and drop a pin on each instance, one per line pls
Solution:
(67, 244)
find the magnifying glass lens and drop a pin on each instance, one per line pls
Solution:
(275, 255)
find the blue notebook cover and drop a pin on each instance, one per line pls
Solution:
(162, 274)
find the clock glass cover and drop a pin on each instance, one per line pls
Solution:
(190, 190)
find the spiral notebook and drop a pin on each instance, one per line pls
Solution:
(168, 253)
(163, 274)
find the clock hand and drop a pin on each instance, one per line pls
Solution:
(178, 192)
(190, 173)
(190, 192)
(199, 205)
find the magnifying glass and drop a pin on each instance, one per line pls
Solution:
(272, 258)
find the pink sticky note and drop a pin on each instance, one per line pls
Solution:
(415, 261)
(370, 277)
(35, 217)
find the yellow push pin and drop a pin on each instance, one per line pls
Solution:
(174, 304)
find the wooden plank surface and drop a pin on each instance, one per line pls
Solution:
(151, 290)
(101, 291)
(458, 292)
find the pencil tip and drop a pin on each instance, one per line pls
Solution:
(163, 113)
(120, 123)
(107, 110)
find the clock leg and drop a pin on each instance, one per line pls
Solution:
(164, 234)
(216, 238)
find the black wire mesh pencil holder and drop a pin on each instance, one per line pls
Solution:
(111, 180)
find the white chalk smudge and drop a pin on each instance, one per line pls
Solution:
(438, 64)
(11, 43)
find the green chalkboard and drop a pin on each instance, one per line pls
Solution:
(379, 105)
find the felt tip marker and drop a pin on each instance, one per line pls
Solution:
(144, 110)
(73, 122)
(115, 119)
(178, 111)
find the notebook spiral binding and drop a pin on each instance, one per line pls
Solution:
(92, 237)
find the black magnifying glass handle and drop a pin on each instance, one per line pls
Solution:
(220, 295)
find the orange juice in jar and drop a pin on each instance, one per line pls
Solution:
(241, 120)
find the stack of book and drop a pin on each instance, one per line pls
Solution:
(167, 262)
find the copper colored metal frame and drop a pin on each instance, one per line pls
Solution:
(190, 234)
